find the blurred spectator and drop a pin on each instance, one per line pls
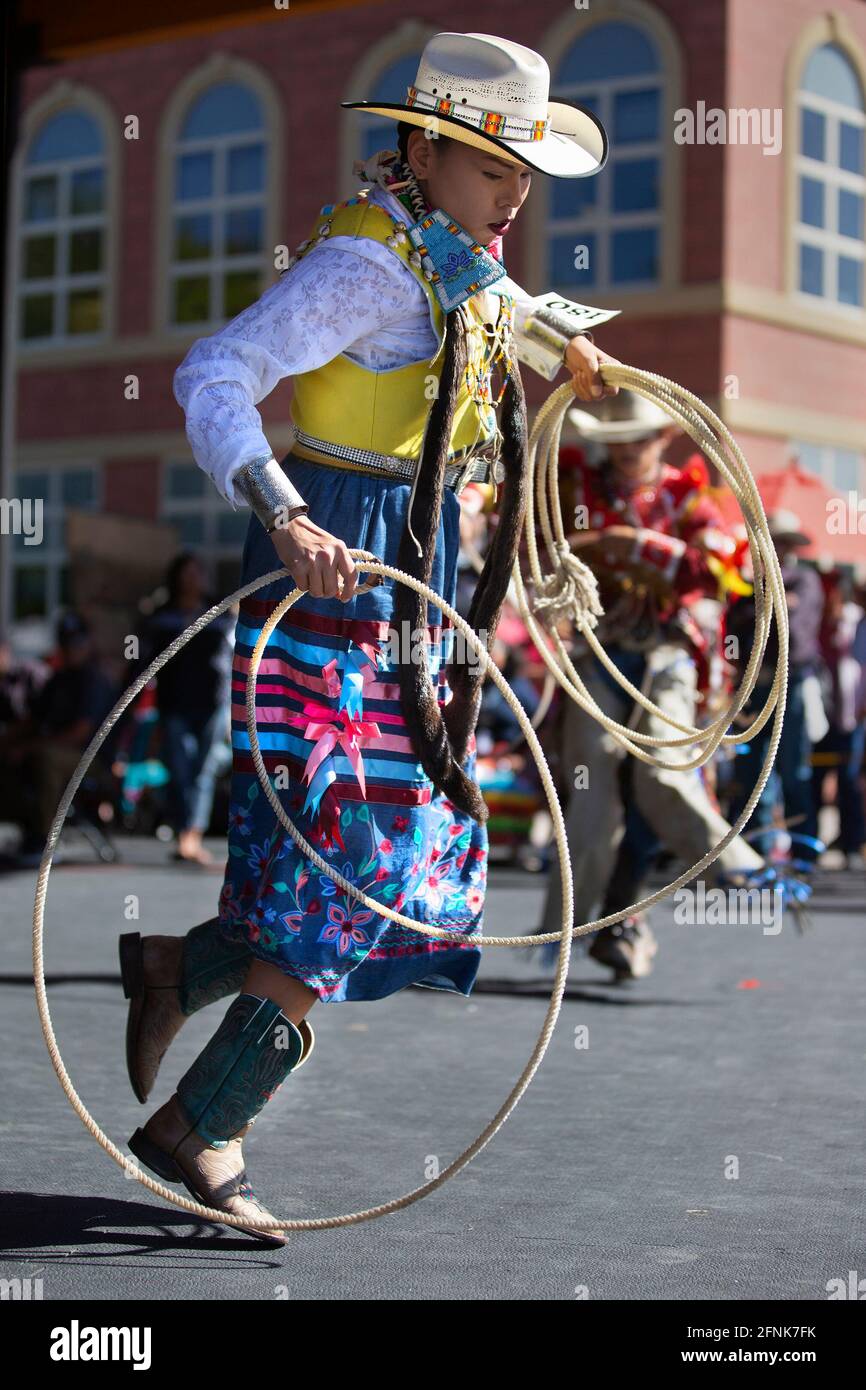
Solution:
(475, 501)
(193, 698)
(506, 770)
(841, 749)
(498, 725)
(20, 679)
(39, 754)
(858, 649)
(791, 779)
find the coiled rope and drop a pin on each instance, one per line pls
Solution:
(576, 591)
(572, 591)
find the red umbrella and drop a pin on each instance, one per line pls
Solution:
(824, 515)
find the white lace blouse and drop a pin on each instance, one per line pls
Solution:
(346, 295)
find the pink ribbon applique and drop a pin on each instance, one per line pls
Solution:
(330, 728)
(332, 680)
(344, 726)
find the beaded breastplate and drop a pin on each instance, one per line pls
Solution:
(387, 410)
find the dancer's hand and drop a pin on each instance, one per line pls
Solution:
(583, 358)
(317, 561)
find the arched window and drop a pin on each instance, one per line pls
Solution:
(62, 252)
(604, 232)
(384, 74)
(831, 180)
(391, 85)
(217, 261)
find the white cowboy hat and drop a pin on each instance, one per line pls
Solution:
(493, 94)
(620, 419)
(785, 525)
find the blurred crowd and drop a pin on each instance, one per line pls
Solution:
(675, 579)
(674, 576)
(160, 765)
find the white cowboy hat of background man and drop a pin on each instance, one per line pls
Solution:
(785, 526)
(493, 94)
(620, 419)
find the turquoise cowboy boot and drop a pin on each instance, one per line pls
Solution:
(166, 979)
(195, 1138)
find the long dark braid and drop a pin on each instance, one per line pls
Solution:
(465, 679)
(418, 696)
(441, 745)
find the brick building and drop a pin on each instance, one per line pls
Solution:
(157, 168)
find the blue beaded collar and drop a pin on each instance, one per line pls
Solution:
(453, 261)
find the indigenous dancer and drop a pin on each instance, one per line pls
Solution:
(390, 318)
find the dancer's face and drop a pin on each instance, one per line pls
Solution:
(474, 187)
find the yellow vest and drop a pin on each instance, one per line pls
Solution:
(387, 411)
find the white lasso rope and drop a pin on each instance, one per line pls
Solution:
(557, 403)
(317, 1223)
(578, 587)
(572, 588)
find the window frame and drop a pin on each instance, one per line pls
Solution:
(407, 40)
(218, 68)
(65, 100)
(827, 457)
(217, 206)
(555, 44)
(210, 506)
(834, 317)
(833, 178)
(604, 220)
(55, 558)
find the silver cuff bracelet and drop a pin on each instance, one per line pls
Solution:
(552, 328)
(269, 491)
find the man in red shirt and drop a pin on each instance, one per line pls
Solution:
(660, 549)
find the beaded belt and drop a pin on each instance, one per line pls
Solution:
(464, 468)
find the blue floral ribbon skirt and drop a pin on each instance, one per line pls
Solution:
(335, 744)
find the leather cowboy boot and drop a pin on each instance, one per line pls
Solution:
(195, 1138)
(166, 979)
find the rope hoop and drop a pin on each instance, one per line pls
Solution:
(547, 428)
(565, 936)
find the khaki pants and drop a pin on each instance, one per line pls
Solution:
(675, 804)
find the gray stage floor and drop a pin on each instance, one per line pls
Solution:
(743, 1052)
